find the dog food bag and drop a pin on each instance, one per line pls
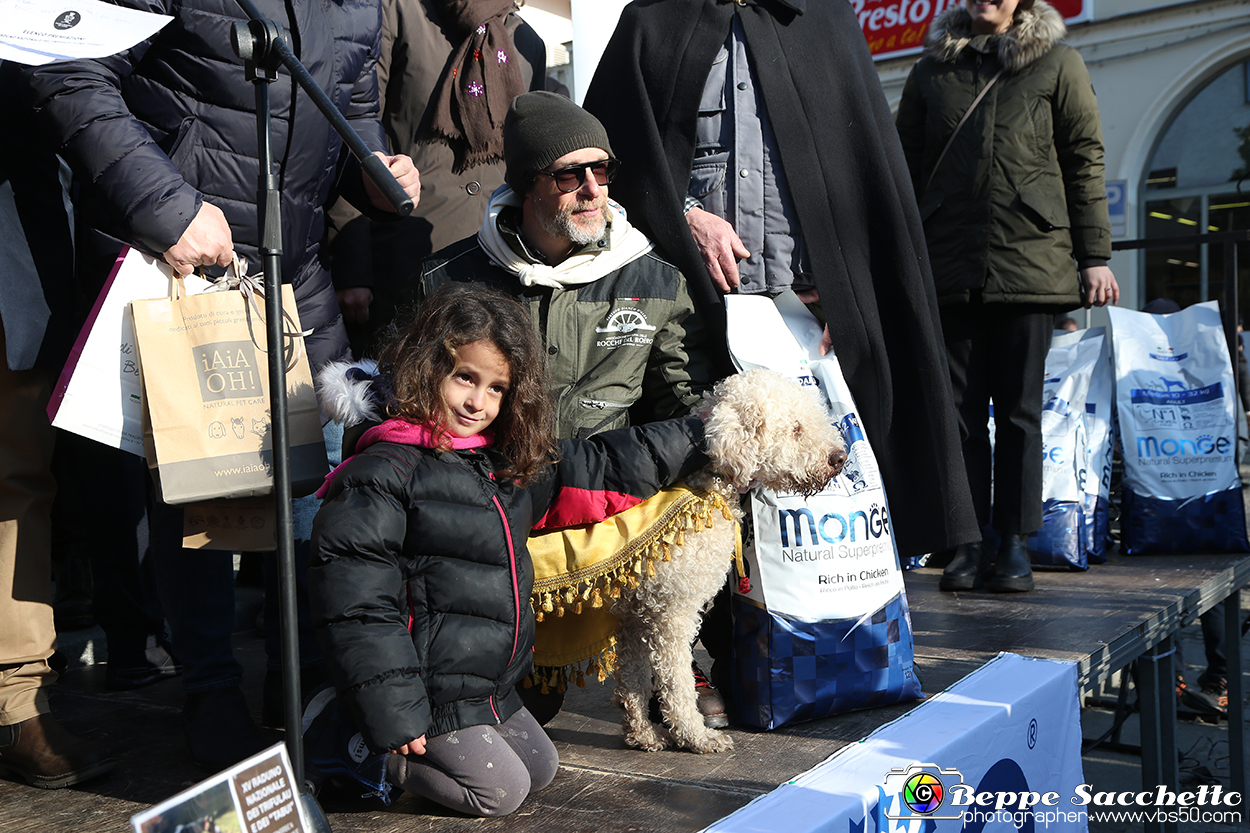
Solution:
(821, 624)
(1174, 401)
(1069, 364)
(1100, 440)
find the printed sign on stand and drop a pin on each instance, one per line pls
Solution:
(253, 796)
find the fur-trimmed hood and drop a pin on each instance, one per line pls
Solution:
(352, 393)
(1032, 35)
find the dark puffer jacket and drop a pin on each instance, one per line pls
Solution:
(420, 577)
(1019, 200)
(157, 129)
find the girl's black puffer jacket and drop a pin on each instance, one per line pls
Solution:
(420, 578)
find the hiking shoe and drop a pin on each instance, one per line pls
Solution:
(710, 704)
(1211, 698)
(707, 700)
(43, 754)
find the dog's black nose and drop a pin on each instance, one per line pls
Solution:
(837, 459)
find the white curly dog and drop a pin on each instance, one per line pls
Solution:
(762, 429)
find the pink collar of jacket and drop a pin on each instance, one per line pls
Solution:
(406, 433)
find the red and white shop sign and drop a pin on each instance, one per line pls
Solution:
(897, 27)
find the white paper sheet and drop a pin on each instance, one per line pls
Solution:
(36, 32)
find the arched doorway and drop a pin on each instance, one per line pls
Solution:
(1198, 181)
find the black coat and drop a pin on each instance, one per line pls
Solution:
(37, 290)
(855, 205)
(155, 130)
(420, 578)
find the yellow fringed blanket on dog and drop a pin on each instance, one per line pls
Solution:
(578, 570)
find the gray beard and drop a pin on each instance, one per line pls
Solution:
(561, 225)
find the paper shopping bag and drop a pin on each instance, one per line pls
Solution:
(97, 395)
(230, 525)
(206, 397)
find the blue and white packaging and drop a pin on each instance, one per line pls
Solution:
(1065, 453)
(1100, 440)
(821, 624)
(1174, 398)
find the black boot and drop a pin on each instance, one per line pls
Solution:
(967, 568)
(1012, 571)
(220, 730)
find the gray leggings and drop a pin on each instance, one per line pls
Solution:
(480, 770)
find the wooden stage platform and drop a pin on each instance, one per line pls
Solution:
(1103, 620)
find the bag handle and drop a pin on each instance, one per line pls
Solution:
(236, 278)
(955, 132)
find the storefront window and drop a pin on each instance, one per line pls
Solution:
(1175, 272)
(1230, 212)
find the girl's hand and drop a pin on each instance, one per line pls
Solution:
(412, 747)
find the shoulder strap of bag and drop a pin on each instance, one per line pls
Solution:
(955, 132)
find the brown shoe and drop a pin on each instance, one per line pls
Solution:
(43, 754)
(711, 705)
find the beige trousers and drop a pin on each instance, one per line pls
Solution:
(27, 634)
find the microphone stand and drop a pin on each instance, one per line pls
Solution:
(259, 42)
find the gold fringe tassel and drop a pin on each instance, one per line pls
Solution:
(556, 678)
(569, 593)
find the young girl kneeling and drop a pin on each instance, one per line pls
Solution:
(420, 581)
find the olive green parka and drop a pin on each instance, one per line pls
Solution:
(1019, 200)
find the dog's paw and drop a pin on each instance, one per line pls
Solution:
(648, 740)
(711, 742)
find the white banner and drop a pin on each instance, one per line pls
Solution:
(1011, 727)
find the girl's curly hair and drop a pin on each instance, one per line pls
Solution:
(424, 355)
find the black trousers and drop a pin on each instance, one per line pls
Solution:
(997, 353)
(101, 511)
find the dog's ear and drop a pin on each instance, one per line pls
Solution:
(733, 431)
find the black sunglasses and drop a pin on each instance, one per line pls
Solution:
(571, 177)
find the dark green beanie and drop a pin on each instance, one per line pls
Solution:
(540, 128)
